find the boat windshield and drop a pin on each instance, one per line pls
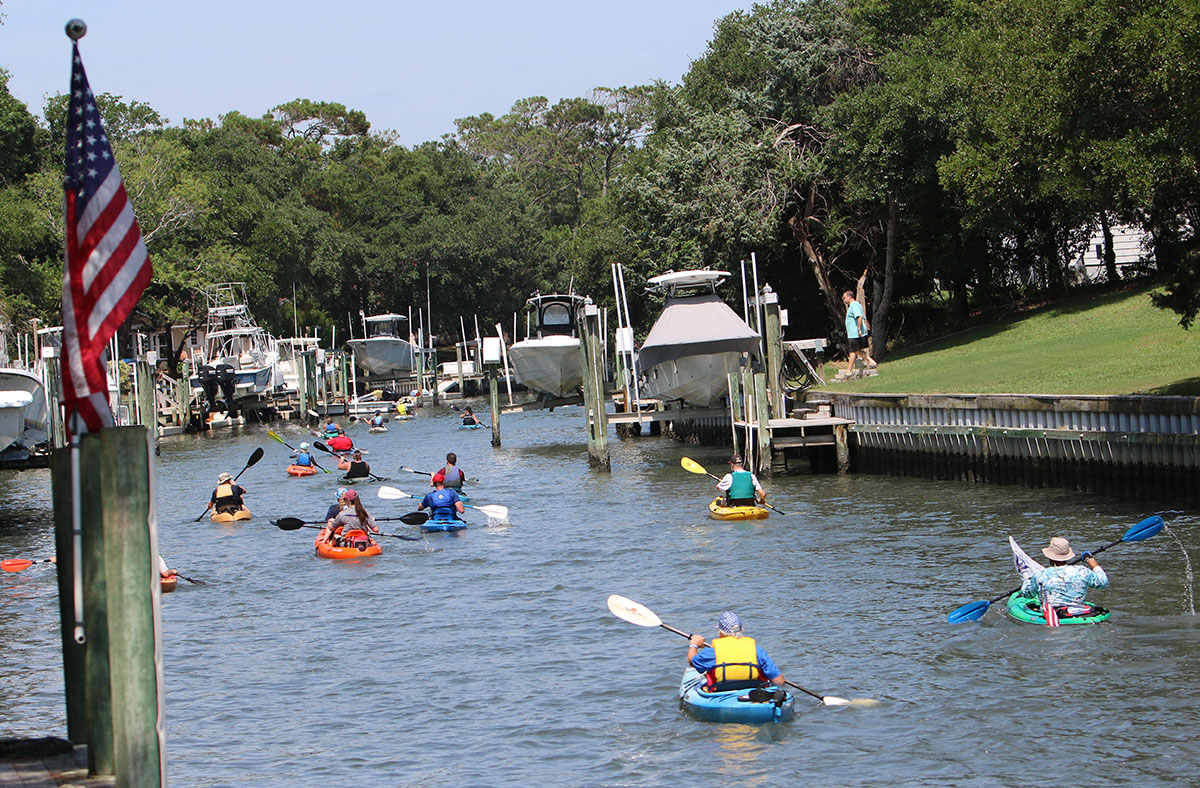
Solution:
(384, 328)
(556, 319)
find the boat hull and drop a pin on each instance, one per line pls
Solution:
(230, 517)
(550, 365)
(1027, 611)
(729, 706)
(301, 470)
(23, 410)
(442, 525)
(717, 511)
(363, 547)
(701, 380)
(382, 356)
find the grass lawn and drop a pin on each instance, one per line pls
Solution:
(1118, 343)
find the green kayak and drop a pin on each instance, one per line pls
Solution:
(1027, 609)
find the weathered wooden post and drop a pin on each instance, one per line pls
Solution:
(494, 400)
(763, 417)
(841, 441)
(458, 359)
(773, 336)
(117, 672)
(592, 362)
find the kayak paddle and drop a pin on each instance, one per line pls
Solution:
(295, 524)
(276, 436)
(21, 564)
(328, 450)
(407, 469)
(493, 511)
(255, 456)
(974, 611)
(190, 580)
(643, 616)
(694, 467)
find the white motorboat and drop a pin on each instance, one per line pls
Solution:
(24, 413)
(289, 350)
(385, 351)
(549, 362)
(696, 341)
(238, 355)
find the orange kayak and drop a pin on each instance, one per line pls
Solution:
(360, 546)
(301, 470)
(168, 584)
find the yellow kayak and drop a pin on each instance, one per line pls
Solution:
(229, 517)
(718, 511)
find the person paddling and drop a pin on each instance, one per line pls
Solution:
(377, 420)
(336, 506)
(733, 661)
(442, 502)
(468, 418)
(741, 487)
(1065, 587)
(451, 476)
(354, 467)
(331, 428)
(352, 516)
(340, 442)
(303, 456)
(227, 497)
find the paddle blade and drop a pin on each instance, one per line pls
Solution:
(632, 612)
(494, 511)
(971, 612)
(275, 436)
(691, 465)
(414, 518)
(1144, 530)
(831, 700)
(288, 523)
(392, 494)
(322, 447)
(15, 564)
(254, 458)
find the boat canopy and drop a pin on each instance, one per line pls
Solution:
(695, 326)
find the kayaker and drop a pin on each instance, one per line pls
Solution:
(377, 420)
(352, 516)
(1066, 587)
(354, 466)
(228, 495)
(163, 571)
(451, 476)
(401, 407)
(468, 418)
(303, 456)
(331, 429)
(337, 505)
(441, 501)
(741, 487)
(340, 442)
(733, 661)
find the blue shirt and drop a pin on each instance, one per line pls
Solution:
(853, 312)
(440, 501)
(1066, 586)
(706, 659)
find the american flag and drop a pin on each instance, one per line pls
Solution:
(107, 266)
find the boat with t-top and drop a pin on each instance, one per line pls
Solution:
(548, 362)
(238, 356)
(385, 350)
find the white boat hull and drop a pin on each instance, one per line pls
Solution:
(550, 365)
(701, 380)
(382, 356)
(23, 410)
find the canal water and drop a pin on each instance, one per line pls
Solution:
(489, 658)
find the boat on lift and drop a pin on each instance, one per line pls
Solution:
(289, 350)
(238, 355)
(24, 414)
(384, 351)
(696, 342)
(549, 362)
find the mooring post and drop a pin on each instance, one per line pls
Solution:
(494, 398)
(773, 335)
(121, 675)
(841, 442)
(147, 399)
(763, 417)
(458, 359)
(593, 388)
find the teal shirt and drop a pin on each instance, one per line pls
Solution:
(1066, 586)
(853, 312)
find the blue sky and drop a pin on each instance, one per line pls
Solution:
(412, 67)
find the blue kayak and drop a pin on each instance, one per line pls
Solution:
(748, 706)
(442, 524)
(470, 426)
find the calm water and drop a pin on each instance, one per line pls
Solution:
(489, 658)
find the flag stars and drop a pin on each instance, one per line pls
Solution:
(92, 172)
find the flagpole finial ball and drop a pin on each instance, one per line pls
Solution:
(76, 29)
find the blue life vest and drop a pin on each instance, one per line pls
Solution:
(441, 502)
(303, 458)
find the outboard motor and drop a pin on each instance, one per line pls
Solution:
(227, 379)
(208, 381)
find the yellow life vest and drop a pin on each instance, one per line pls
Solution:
(224, 490)
(737, 661)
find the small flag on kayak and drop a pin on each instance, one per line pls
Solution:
(107, 266)
(1048, 611)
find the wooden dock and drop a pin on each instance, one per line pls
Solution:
(46, 763)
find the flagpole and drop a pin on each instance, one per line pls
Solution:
(76, 526)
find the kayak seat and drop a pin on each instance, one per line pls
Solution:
(777, 696)
(741, 684)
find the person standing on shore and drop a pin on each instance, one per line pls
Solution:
(857, 333)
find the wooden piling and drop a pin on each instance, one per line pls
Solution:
(595, 402)
(773, 337)
(763, 419)
(494, 399)
(122, 669)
